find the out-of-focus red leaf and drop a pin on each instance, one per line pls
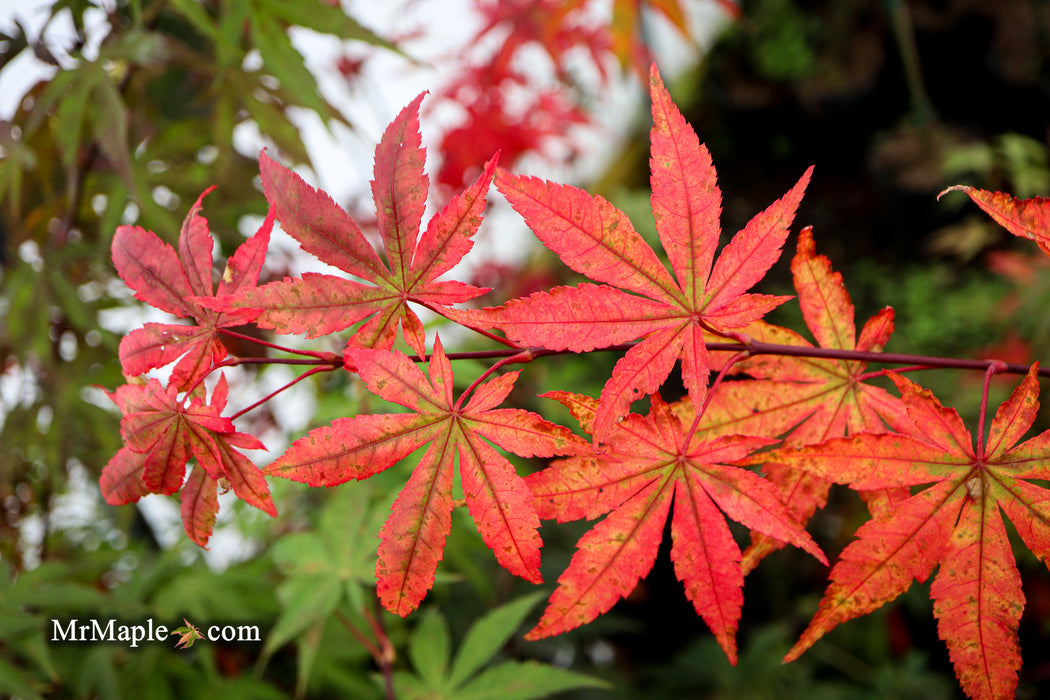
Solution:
(490, 124)
(509, 109)
(552, 24)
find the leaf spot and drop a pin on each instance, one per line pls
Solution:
(975, 486)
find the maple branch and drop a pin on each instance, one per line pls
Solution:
(360, 636)
(383, 654)
(522, 356)
(328, 364)
(897, 370)
(336, 363)
(388, 654)
(756, 347)
(289, 385)
(517, 355)
(741, 338)
(324, 356)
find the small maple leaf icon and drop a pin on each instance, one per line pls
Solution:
(189, 634)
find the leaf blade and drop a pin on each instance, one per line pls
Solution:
(747, 258)
(1025, 218)
(400, 188)
(413, 537)
(321, 226)
(487, 636)
(500, 504)
(609, 561)
(686, 201)
(977, 601)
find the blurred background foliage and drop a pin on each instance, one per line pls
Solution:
(892, 100)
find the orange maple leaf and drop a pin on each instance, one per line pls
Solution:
(162, 432)
(955, 523)
(317, 304)
(188, 634)
(181, 284)
(646, 463)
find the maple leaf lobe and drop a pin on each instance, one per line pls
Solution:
(647, 463)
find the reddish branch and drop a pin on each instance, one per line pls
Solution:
(745, 348)
(755, 347)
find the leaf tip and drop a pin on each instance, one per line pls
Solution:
(803, 182)
(953, 188)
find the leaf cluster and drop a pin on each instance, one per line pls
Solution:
(936, 491)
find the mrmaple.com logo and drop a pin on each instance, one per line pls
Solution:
(83, 631)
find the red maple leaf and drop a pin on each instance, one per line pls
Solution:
(162, 432)
(647, 462)
(668, 313)
(1026, 218)
(176, 283)
(491, 125)
(811, 399)
(413, 538)
(955, 523)
(319, 304)
(552, 24)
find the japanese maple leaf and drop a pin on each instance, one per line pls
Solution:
(319, 304)
(188, 634)
(956, 523)
(1026, 218)
(813, 398)
(647, 463)
(413, 538)
(668, 313)
(162, 432)
(172, 282)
